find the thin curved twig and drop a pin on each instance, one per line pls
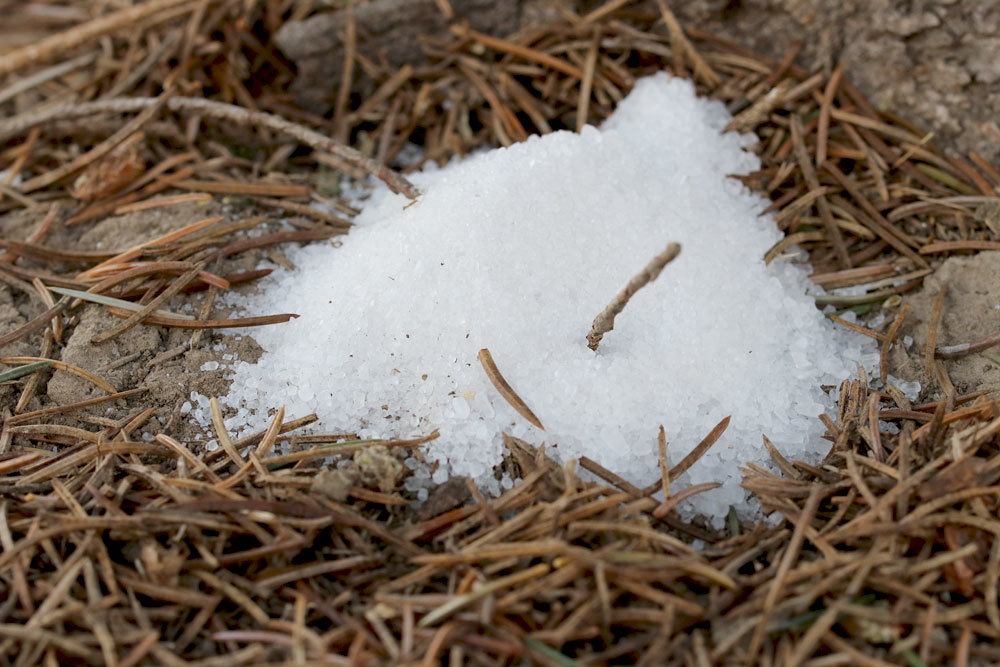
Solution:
(605, 322)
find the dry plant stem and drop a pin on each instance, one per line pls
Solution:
(699, 450)
(605, 321)
(66, 368)
(24, 152)
(603, 11)
(691, 457)
(508, 393)
(749, 119)
(879, 225)
(218, 111)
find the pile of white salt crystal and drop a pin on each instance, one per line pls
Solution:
(517, 250)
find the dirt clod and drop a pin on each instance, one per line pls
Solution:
(378, 467)
(335, 483)
(102, 360)
(971, 312)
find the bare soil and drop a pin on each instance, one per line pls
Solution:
(971, 312)
(163, 360)
(933, 61)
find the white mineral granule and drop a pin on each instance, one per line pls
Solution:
(517, 250)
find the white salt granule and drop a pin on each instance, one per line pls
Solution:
(888, 427)
(910, 389)
(517, 250)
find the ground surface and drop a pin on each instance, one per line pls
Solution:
(936, 62)
(971, 312)
(912, 569)
(161, 359)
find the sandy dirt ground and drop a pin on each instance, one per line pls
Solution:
(935, 62)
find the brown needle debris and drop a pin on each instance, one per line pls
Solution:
(605, 322)
(508, 393)
(962, 349)
(125, 540)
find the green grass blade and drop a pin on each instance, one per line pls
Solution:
(112, 301)
(21, 371)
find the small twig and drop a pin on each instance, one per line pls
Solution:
(508, 393)
(605, 322)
